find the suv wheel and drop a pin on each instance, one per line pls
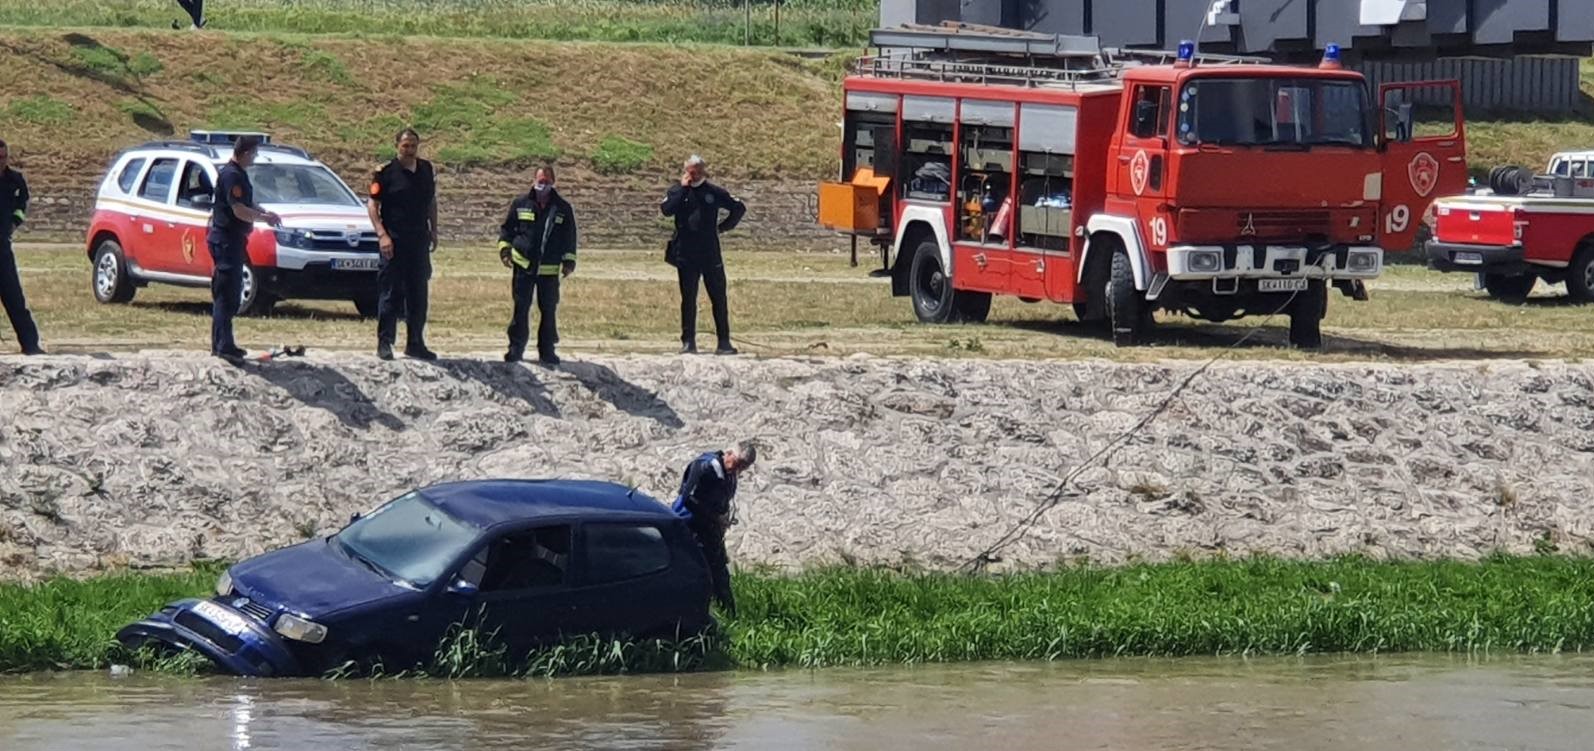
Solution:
(255, 301)
(1513, 288)
(110, 281)
(1580, 277)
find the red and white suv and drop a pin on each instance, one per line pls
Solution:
(153, 211)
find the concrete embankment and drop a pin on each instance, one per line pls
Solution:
(160, 459)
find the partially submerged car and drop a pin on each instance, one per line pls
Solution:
(525, 561)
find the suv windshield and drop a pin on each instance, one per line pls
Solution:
(297, 183)
(409, 539)
(1274, 112)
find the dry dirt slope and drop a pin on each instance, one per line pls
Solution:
(489, 110)
(160, 459)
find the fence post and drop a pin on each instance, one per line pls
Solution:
(747, 23)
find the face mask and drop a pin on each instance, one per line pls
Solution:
(542, 188)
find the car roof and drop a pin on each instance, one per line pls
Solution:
(489, 503)
(218, 154)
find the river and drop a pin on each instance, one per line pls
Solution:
(1406, 703)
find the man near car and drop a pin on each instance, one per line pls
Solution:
(695, 204)
(13, 211)
(232, 217)
(707, 502)
(537, 241)
(403, 208)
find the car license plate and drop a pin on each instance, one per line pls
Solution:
(229, 621)
(1281, 285)
(1475, 259)
(354, 264)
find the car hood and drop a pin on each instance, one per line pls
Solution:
(315, 579)
(322, 217)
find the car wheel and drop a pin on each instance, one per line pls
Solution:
(1127, 314)
(1306, 316)
(1580, 276)
(110, 280)
(255, 301)
(1509, 288)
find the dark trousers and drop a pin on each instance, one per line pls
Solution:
(544, 288)
(226, 292)
(15, 304)
(196, 10)
(402, 283)
(713, 277)
(712, 541)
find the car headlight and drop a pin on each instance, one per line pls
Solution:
(1205, 261)
(293, 238)
(1362, 261)
(224, 584)
(299, 629)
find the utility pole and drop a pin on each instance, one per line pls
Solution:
(777, 24)
(747, 22)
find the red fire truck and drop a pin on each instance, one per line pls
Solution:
(986, 162)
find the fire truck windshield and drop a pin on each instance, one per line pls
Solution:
(302, 184)
(1293, 112)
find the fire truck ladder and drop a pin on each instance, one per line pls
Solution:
(972, 53)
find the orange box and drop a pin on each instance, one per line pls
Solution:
(852, 206)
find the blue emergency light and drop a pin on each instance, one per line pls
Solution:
(1186, 51)
(1330, 56)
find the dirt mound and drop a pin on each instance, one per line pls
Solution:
(160, 459)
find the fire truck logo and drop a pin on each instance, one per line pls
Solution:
(1250, 225)
(188, 247)
(1424, 173)
(1139, 171)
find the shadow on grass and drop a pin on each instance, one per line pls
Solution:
(284, 312)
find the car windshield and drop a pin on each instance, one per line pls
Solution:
(299, 183)
(408, 539)
(1274, 112)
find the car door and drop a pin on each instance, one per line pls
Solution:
(155, 237)
(195, 192)
(525, 595)
(626, 582)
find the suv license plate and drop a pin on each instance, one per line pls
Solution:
(354, 264)
(1471, 259)
(229, 621)
(1281, 285)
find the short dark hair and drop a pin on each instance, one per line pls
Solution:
(406, 132)
(548, 168)
(245, 145)
(3, 144)
(747, 453)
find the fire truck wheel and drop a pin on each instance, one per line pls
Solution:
(971, 307)
(930, 285)
(1580, 277)
(1510, 288)
(1126, 309)
(1306, 316)
(111, 284)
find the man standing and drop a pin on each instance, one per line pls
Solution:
(537, 241)
(403, 208)
(695, 204)
(232, 218)
(13, 211)
(195, 10)
(707, 503)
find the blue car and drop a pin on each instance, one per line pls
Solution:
(532, 561)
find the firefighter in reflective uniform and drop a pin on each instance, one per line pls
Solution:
(707, 502)
(537, 241)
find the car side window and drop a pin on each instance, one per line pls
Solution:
(195, 183)
(1579, 169)
(530, 559)
(129, 176)
(157, 185)
(624, 551)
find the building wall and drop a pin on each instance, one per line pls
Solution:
(1540, 85)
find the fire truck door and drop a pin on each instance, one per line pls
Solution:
(1143, 161)
(1424, 146)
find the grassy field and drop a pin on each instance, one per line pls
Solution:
(805, 304)
(808, 23)
(862, 617)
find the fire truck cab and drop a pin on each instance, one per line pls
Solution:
(987, 162)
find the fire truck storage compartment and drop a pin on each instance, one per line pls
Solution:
(985, 180)
(861, 202)
(926, 173)
(1046, 177)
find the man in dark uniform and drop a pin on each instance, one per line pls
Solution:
(707, 503)
(232, 218)
(403, 208)
(537, 241)
(695, 204)
(196, 11)
(13, 211)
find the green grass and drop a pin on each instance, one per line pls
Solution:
(802, 22)
(848, 616)
(41, 109)
(617, 154)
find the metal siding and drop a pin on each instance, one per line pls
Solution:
(1185, 17)
(1125, 22)
(928, 109)
(1265, 22)
(988, 12)
(1523, 84)
(1447, 16)
(1047, 127)
(898, 12)
(1337, 23)
(1575, 21)
(1054, 16)
(1498, 20)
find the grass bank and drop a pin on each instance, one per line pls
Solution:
(865, 617)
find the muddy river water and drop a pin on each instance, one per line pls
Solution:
(1401, 703)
